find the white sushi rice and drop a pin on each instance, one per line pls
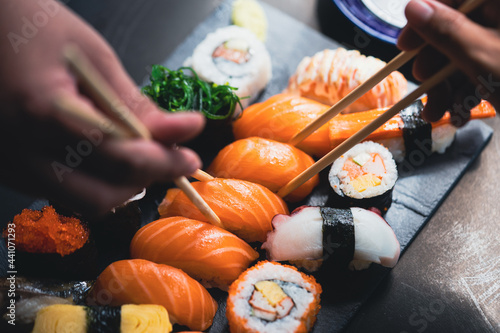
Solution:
(396, 146)
(341, 182)
(442, 137)
(250, 77)
(297, 289)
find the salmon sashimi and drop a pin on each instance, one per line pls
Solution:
(244, 208)
(266, 162)
(281, 117)
(330, 75)
(392, 134)
(209, 254)
(140, 281)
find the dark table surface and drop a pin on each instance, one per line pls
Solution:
(448, 280)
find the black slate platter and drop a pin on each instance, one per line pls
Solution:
(419, 191)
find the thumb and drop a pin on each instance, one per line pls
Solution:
(448, 31)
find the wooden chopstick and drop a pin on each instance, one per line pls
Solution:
(201, 176)
(107, 99)
(85, 114)
(393, 65)
(365, 131)
(102, 92)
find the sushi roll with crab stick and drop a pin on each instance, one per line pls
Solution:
(271, 297)
(236, 56)
(324, 237)
(364, 177)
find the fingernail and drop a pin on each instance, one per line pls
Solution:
(418, 13)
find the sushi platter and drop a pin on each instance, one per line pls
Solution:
(423, 183)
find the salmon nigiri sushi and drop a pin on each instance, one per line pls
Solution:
(266, 162)
(330, 75)
(244, 208)
(144, 282)
(280, 118)
(205, 252)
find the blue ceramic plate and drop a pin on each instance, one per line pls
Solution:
(382, 19)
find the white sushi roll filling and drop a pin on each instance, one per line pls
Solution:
(233, 55)
(247, 302)
(383, 171)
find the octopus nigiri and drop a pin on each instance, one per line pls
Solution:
(207, 253)
(140, 281)
(280, 118)
(244, 208)
(315, 236)
(330, 75)
(266, 162)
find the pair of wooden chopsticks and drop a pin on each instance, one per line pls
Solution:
(124, 123)
(393, 65)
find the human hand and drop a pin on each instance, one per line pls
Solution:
(46, 153)
(472, 45)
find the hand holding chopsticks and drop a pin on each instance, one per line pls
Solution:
(126, 124)
(357, 93)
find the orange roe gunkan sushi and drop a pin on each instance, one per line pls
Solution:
(51, 245)
(46, 231)
(271, 297)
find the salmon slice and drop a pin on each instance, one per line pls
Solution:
(207, 253)
(281, 117)
(245, 209)
(266, 162)
(344, 126)
(140, 281)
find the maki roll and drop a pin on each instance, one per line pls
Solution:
(313, 237)
(270, 297)
(51, 245)
(364, 177)
(125, 319)
(236, 56)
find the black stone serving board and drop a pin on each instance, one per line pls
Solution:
(421, 188)
(419, 191)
